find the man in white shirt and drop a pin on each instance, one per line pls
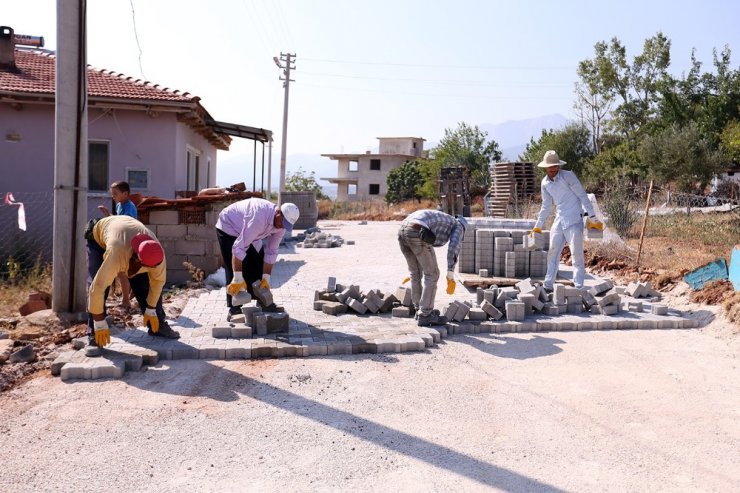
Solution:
(562, 189)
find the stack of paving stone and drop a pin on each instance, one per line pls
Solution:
(337, 299)
(487, 241)
(319, 239)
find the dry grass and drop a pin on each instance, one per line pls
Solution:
(373, 210)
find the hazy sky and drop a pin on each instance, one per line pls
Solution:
(375, 68)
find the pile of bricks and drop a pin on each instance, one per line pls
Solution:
(319, 239)
(337, 299)
(525, 299)
(503, 248)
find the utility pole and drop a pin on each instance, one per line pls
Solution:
(269, 169)
(285, 62)
(69, 273)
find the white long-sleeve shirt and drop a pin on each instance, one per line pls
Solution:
(251, 222)
(566, 193)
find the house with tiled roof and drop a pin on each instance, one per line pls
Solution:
(159, 139)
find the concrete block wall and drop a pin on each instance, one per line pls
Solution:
(193, 243)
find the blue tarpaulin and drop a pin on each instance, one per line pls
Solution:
(735, 268)
(713, 271)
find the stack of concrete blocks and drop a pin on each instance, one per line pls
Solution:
(538, 263)
(484, 250)
(503, 245)
(466, 258)
(510, 264)
(321, 240)
(573, 300)
(608, 300)
(522, 268)
(403, 305)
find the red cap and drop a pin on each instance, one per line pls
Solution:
(148, 250)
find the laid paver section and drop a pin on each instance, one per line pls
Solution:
(205, 333)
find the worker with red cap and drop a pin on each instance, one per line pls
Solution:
(123, 244)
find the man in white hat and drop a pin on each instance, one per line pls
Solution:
(249, 234)
(562, 189)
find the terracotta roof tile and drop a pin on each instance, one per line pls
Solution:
(36, 76)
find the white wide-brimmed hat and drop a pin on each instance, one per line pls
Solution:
(551, 159)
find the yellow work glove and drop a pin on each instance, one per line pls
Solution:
(535, 230)
(237, 284)
(593, 223)
(265, 283)
(102, 332)
(151, 320)
(405, 280)
(450, 282)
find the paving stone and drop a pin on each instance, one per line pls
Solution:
(249, 312)
(610, 309)
(659, 309)
(609, 299)
(461, 312)
(386, 304)
(356, 305)
(334, 308)
(515, 310)
(491, 310)
(558, 294)
(589, 299)
(634, 289)
(403, 295)
(241, 332)
(401, 312)
(372, 304)
(634, 306)
(477, 314)
(318, 305)
(264, 295)
(270, 323)
(60, 361)
(601, 287)
(528, 300)
(331, 284)
(221, 331)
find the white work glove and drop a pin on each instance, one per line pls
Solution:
(102, 332)
(265, 284)
(450, 282)
(237, 284)
(151, 320)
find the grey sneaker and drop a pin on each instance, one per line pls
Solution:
(165, 331)
(433, 318)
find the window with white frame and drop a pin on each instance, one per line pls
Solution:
(138, 178)
(98, 160)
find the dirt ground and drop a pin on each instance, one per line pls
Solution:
(561, 411)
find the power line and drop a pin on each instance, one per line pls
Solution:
(136, 35)
(439, 81)
(468, 96)
(466, 67)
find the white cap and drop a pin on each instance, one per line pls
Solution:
(290, 212)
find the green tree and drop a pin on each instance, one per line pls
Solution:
(404, 182)
(618, 162)
(681, 155)
(730, 139)
(464, 146)
(301, 181)
(572, 143)
(635, 87)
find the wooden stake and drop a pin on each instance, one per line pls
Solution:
(644, 222)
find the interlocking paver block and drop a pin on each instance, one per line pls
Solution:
(387, 303)
(515, 310)
(634, 306)
(461, 312)
(268, 323)
(241, 332)
(477, 314)
(356, 305)
(221, 331)
(601, 287)
(403, 294)
(558, 294)
(262, 294)
(249, 312)
(318, 305)
(659, 309)
(401, 312)
(491, 310)
(334, 308)
(331, 284)
(610, 299)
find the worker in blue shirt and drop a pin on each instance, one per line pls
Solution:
(562, 189)
(419, 233)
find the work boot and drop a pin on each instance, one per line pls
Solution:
(434, 318)
(271, 308)
(164, 331)
(92, 350)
